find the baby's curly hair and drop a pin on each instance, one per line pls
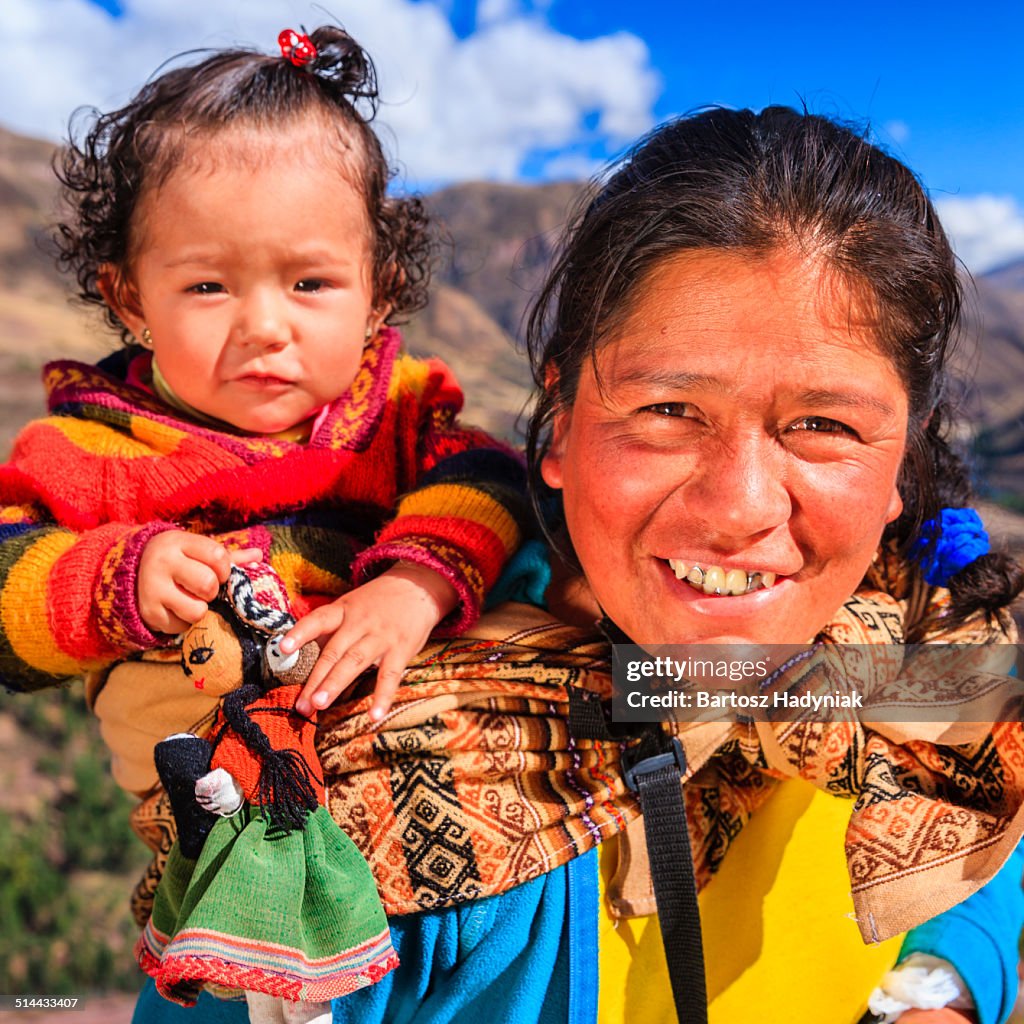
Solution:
(134, 149)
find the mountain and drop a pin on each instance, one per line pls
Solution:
(993, 359)
(502, 240)
(35, 316)
(499, 241)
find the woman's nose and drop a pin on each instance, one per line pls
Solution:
(740, 489)
(263, 320)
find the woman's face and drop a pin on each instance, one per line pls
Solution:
(741, 420)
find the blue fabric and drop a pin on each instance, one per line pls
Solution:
(504, 958)
(979, 938)
(950, 543)
(525, 578)
(583, 924)
(152, 1008)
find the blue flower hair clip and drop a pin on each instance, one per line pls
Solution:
(950, 543)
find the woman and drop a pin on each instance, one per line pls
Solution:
(741, 360)
(740, 357)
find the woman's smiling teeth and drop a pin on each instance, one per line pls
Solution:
(714, 580)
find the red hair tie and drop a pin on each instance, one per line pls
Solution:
(299, 49)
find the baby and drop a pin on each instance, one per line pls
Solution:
(234, 223)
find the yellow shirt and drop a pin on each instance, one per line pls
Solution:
(780, 944)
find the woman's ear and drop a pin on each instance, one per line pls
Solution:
(551, 462)
(551, 465)
(895, 509)
(120, 295)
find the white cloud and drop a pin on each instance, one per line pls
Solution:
(898, 131)
(569, 167)
(490, 11)
(986, 230)
(454, 108)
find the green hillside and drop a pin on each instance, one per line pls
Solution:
(68, 859)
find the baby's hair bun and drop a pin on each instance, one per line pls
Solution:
(344, 65)
(107, 167)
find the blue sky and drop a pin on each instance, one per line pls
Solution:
(527, 90)
(942, 83)
(948, 78)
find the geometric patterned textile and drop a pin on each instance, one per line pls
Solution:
(474, 783)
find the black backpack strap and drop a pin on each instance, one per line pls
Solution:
(654, 771)
(588, 716)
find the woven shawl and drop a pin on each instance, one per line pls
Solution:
(476, 782)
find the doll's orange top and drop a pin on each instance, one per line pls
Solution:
(284, 727)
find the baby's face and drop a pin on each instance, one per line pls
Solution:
(252, 270)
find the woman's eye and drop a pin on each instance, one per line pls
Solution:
(683, 410)
(206, 288)
(821, 425)
(310, 284)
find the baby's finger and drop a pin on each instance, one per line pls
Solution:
(319, 622)
(210, 552)
(389, 677)
(184, 607)
(197, 579)
(330, 654)
(166, 622)
(168, 609)
(246, 555)
(342, 664)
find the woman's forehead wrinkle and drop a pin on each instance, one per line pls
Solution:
(831, 312)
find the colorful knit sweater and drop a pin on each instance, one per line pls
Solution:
(388, 474)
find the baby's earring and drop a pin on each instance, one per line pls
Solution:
(146, 339)
(368, 335)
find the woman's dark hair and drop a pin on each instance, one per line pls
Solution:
(758, 183)
(134, 149)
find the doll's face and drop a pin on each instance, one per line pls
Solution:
(211, 656)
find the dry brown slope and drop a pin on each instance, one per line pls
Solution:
(503, 237)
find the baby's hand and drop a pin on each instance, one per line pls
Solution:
(384, 622)
(179, 573)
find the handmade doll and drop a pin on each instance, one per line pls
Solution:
(262, 891)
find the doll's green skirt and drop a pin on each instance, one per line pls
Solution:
(292, 914)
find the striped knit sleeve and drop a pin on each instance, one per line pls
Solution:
(466, 517)
(67, 599)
